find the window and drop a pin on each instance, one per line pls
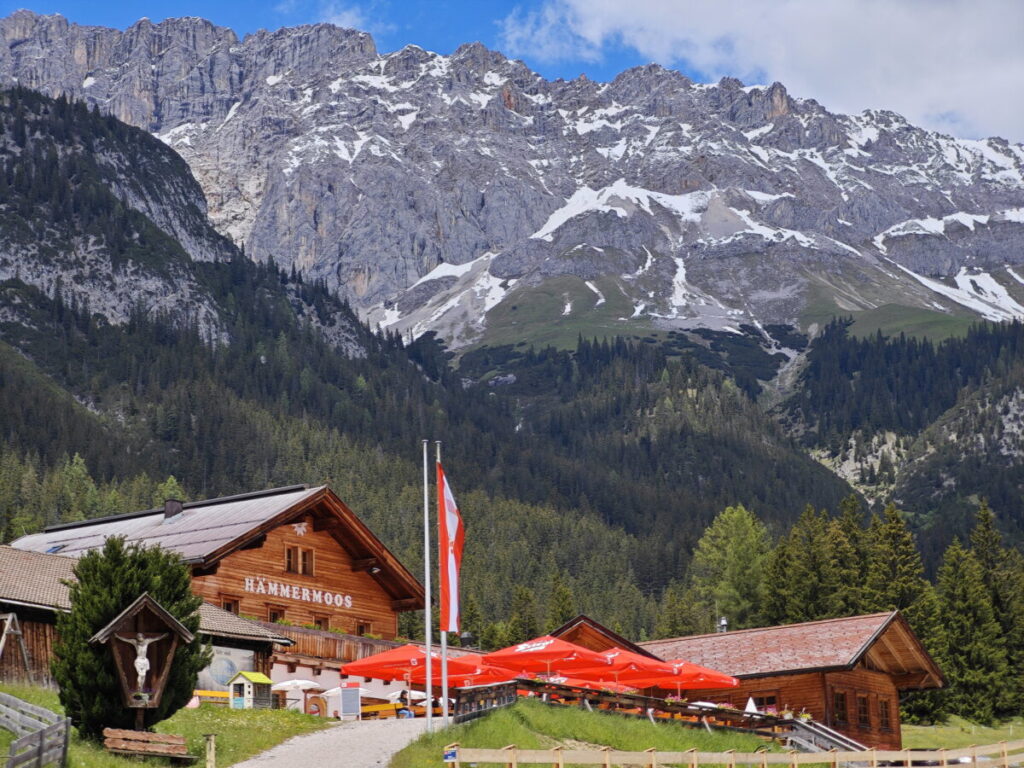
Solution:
(275, 613)
(839, 713)
(884, 715)
(863, 712)
(298, 560)
(766, 701)
(321, 622)
(363, 627)
(229, 604)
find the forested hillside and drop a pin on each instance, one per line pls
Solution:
(932, 426)
(595, 484)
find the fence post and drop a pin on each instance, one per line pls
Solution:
(874, 758)
(513, 757)
(974, 755)
(764, 756)
(792, 757)
(211, 750)
(41, 738)
(943, 762)
(835, 757)
(559, 761)
(1003, 753)
(64, 747)
(607, 756)
(732, 757)
(653, 762)
(454, 746)
(693, 757)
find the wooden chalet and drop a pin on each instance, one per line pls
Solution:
(847, 673)
(296, 559)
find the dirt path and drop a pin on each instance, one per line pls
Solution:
(368, 744)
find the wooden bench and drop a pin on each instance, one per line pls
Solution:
(147, 744)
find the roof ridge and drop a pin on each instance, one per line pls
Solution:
(187, 505)
(836, 620)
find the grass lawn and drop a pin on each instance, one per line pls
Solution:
(957, 732)
(533, 725)
(240, 733)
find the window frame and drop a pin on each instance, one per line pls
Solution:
(863, 711)
(273, 608)
(840, 714)
(231, 600)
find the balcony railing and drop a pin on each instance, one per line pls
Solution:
(330, 646)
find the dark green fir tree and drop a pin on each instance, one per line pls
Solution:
(107, 582)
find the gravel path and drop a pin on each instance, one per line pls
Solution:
(369, 744)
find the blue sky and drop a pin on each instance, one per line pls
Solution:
(439, 25)
(951, 65)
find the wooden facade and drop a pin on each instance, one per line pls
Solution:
(860, 703)
(336, 592)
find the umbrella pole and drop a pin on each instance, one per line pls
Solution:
(426, 580)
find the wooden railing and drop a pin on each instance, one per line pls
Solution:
(332, 646)
(1001, 755)
(42, 734)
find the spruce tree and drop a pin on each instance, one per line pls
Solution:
(974, 657)
(727, 566)
(561, 604)
(107, 582)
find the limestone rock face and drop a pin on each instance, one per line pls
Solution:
(704, 205)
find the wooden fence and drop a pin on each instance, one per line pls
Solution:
(42, 736)
(1001, 755)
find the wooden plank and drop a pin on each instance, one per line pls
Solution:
(26, 708)
(125, 745)
(146, 736)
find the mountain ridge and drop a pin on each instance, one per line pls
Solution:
(438, 192)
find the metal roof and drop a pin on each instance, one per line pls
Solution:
(198, 531)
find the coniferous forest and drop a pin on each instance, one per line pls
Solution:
(645, 484)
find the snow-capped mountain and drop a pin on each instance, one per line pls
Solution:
(452, 192)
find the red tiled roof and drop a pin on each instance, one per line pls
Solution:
(826, 644)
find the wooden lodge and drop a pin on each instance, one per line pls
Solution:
(295, 563)
(845, 673)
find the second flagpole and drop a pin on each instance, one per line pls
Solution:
(428, 629)
(444, 629)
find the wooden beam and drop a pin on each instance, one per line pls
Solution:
(365, 563)
(407, 603)
(887, 644)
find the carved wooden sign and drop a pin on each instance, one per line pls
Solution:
(143, 639)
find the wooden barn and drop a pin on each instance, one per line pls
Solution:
(33, 588)
(296, 559)
(847, 673)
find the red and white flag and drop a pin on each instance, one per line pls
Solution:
(450, 538)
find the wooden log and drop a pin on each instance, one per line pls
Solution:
(123, 745)
(161, 738)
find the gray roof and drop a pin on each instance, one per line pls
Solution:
(202, 528)
(36, 579)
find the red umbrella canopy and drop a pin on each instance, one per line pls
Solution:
(392, 664)
(545, 654)
(579, 682)
(463, 672)
(623, 665)
(687, 676)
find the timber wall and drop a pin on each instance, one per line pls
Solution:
(332, 573)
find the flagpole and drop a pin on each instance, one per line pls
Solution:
(444, 634)
(427, 621)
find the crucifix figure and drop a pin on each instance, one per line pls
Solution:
(141, 643)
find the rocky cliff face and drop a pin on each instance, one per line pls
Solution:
(442, 192)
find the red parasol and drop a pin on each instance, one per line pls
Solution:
(624, 666)
(393, 664)
(546, 654)
(686, 676)
(579, 682)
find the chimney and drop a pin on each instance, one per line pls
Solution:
(172, 508)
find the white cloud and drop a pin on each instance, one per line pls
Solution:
(344, 15)
(952, 65)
